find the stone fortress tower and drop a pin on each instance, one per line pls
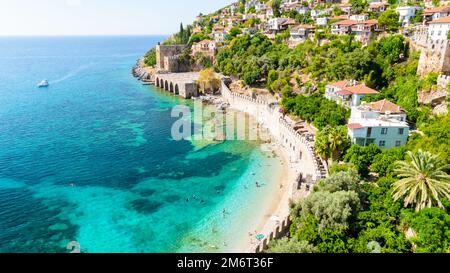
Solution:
(435, 57)
(432, 39)
(167, 58)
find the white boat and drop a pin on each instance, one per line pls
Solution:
(43, 83)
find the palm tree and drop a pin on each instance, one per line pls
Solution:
(322, 147)
(424, 181)
(331, 141)
(338, 140)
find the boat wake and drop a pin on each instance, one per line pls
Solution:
(72, 73)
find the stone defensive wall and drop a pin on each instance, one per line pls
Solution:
(297, 147)
(435, 58)
(182, 84)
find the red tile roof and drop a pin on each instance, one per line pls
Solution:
(354, 126)
(361, 89)
(340, 17)
(436, 10)
(346, 23)
(384, 106)
(370, 22)
(341, 84)
(344, 93)
(378, 4)
(303, 26)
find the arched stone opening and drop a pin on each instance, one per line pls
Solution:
(177, 89)
(166, 86)
(171, 87)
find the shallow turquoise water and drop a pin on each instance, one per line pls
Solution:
(91, 160)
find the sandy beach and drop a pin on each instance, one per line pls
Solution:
(279, 202)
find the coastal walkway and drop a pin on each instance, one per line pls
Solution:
(182, 84)
(305, 167)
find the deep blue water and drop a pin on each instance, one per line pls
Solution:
(90, 159)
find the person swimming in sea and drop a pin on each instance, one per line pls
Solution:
(224, 213)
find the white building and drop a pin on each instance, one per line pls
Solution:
(359, 17)
(219, 36)
(346, 8)
(407, 13)
(206, 47)
(322, 21)
(348, 93)
(378, 6)
(303, 9)
(261, 7)
(438, 29)
(301, 32)
(436, 13)
(277, 24)
(320, 13)
(382, 123)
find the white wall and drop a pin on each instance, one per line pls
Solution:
(438, 31)
(295, 147)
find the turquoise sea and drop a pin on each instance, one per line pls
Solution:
(91, 159)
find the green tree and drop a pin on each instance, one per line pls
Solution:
(287, 245)
(150, 57)
(276, 4)
(343, 181)
(362, 157)
(424, 182)
(432, 228)
(389, 20)
(208, 81)
(384, 163)
(332, 141)
(358, 6)
(333, 210)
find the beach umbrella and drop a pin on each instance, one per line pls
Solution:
(259, 237)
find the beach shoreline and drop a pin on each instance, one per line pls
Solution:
(279, 207)
(276, 217)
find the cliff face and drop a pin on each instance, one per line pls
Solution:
(435, 58)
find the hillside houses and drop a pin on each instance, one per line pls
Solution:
(205, 47)
(436, 13)
(439, 29)
(382, 123)
(280, 24)
(378, 7)
(348, 93)
(346, 8)
(407, 13)
(301, 32)
(363, 30)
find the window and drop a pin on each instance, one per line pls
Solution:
(382, 143)
(369, 132)
(398, 143)
(401, 131)
(384, 131)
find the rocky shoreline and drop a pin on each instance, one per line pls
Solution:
(142, 74)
